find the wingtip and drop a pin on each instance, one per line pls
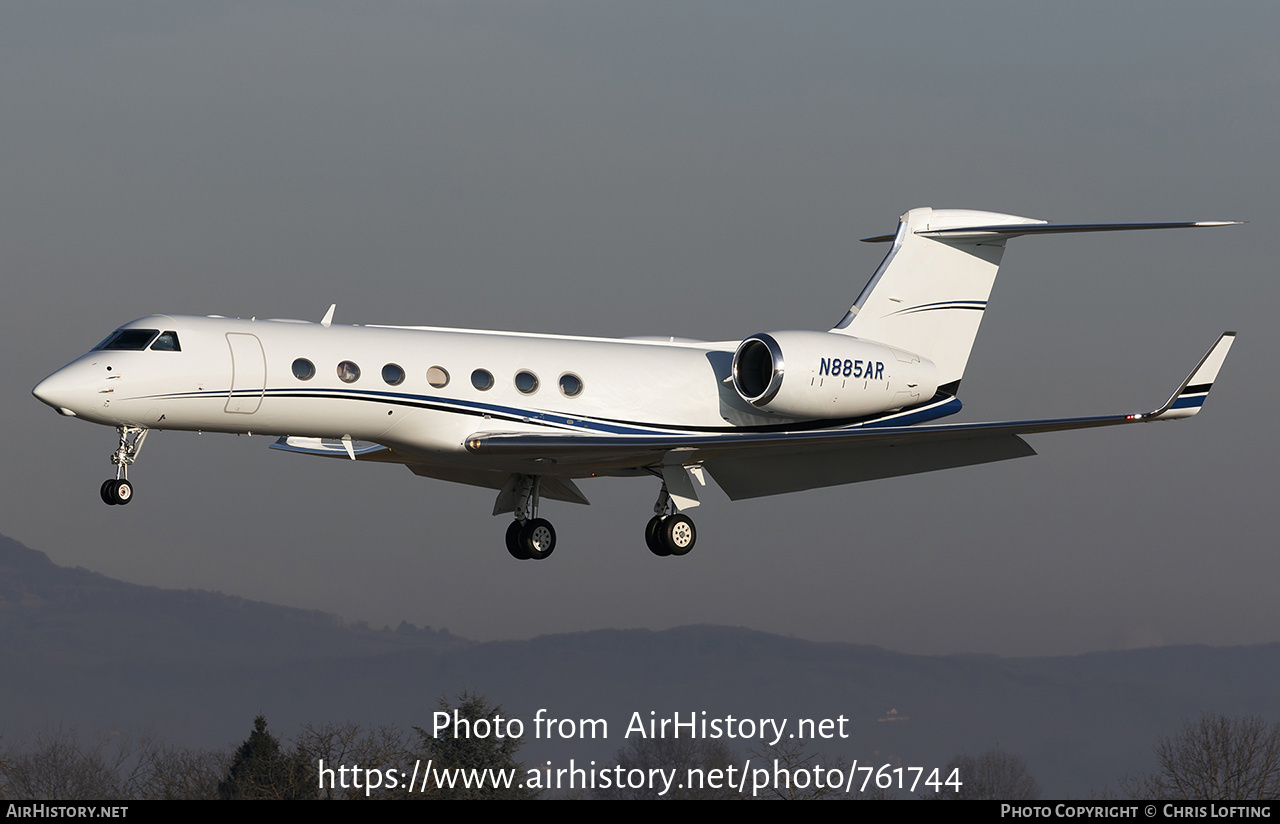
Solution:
(1195, 389)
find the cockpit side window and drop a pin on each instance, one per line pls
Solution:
(133, 340)
(168, 342)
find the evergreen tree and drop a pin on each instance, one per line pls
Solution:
(460, 747)
(260, 769)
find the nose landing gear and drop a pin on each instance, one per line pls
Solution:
(118, 491)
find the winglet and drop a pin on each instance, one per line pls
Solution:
(1191, 395)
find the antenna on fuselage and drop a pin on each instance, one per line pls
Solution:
(328, 316)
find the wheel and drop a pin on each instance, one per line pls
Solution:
(121, 492)
(105, 492)
(678, 534)
(514, 546)
(653, 537)
(538, 538)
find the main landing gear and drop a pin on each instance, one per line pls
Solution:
(669, 533)
(118, 491)
(529, 537)
(532, 538)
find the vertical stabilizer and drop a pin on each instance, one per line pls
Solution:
(929, 294)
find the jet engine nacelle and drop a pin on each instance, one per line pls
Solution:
(820, 375)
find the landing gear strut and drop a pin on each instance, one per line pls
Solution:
(667, 532)
(118, 491)
(529, 537)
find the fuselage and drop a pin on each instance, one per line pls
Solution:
(421, 391)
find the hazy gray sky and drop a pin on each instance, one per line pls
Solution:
(697, 169)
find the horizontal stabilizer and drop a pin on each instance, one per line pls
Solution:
(1052, 229)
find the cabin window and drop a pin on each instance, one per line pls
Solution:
(570, 385)
(393, 374)
(438, 377)
(348, 372)
(128, 339)
(526, 382)
(167, 342)
(303, 369)
(482, 380)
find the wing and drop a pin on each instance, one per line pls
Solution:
(559, 489)
(752, 464)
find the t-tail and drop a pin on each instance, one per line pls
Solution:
(930, 292)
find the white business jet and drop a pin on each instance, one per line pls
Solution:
(528, 414)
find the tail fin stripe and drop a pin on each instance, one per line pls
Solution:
(934, 307)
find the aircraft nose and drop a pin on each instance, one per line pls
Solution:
(59, 391)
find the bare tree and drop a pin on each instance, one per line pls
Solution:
(996, 774)
(179, 773)
(1214, 757)
(345, 744)
(793, 758)
(56, 766)
(58, 763)
(679, 754)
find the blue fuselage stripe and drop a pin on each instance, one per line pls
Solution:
(938, 407)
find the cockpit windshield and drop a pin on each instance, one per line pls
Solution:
(168, 341)
(128, 339)
(135, 340)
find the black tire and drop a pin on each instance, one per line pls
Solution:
(121, 492)
(678, 534)
(105, 492)
(653, 537)
(514, 546)
(538, 538)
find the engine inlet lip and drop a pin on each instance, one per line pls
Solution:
(746, 351)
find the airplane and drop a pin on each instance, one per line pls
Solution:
(529, 414)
